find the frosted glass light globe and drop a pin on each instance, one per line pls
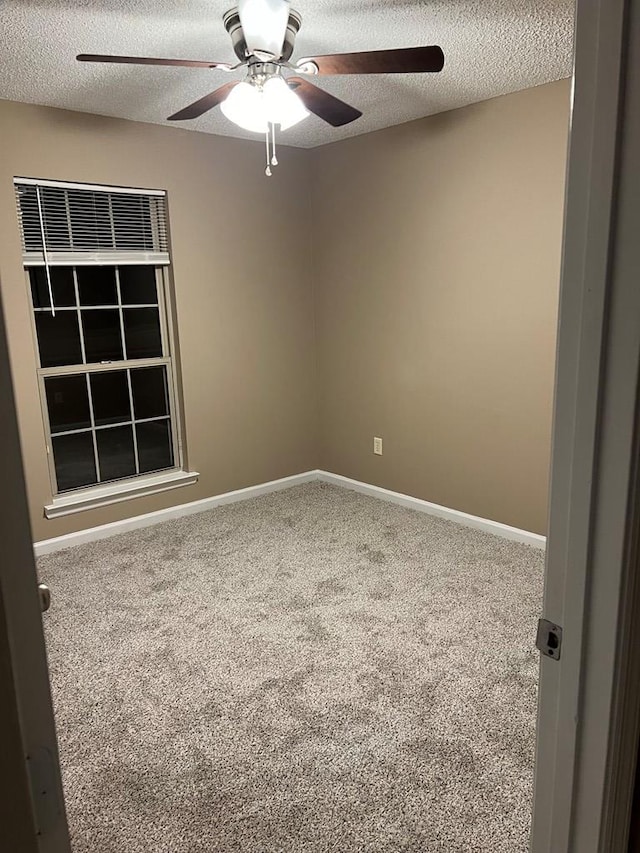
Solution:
(282, 105)
(244, 106)
(254, 109)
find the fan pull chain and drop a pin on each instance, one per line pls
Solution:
(274, 159)
(267, 171)
(44, 253)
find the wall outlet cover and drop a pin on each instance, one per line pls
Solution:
(377, 446)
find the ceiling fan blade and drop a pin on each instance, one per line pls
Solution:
(264, 24)
(404, 60)
(146, 60)
(204, 104)
(327, 107)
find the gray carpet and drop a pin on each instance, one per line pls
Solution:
(313, 670)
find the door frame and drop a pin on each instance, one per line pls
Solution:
(589, 700)
(31, 803)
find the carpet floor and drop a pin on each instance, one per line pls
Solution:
(313, 670)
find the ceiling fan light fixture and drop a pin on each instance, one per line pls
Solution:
(244, 106)
(263, 34)
(254, 109)
(283, 107)
(264, 24)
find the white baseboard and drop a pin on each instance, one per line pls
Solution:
(92, 534)
(495, 527)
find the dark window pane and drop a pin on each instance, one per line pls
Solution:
(150, 398)
(58, 338)
(102, 338)
(64, 292)
(110, 395)
(74, 460)
(67, 403)
(154, 445)
(115, 453)
(138, 285)
(142, 332)
(97, 285)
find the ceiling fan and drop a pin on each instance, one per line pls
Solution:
(263, 34)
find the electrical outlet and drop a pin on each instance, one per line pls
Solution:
(377, 446)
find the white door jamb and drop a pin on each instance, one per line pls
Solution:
(589, 700)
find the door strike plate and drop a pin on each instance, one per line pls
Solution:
(549, 639)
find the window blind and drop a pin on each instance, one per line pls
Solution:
(83, 224)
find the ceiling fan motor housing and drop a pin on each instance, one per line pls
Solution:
(260, 72)
(233, 26)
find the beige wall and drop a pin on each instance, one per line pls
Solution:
(433, 250)
(243, 294)
(437, 259)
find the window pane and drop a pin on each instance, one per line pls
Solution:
(74, 460)
(97, 285)
(110, 396)
(150, 398)
(138, 285)
(64, 292)
(67, 403)
(154, 445)
(142, 332)
(115, 453)
(102, 338)
(58, 338)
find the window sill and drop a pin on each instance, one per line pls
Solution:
(112, 493)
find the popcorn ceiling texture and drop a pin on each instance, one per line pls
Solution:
(306, 672)
(492, 47)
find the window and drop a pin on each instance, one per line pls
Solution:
(98, 283)
(104, 424)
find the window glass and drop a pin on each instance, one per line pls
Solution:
(150, 398)
(67, 402)
(64, 291)
(138, 285)
(97, 285)
(74, 460)
(58, 338)
(110, 395)
(154, 445)
(142, 332)
(102, 336)
(115, 452)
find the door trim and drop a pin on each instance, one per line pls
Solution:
(34, 826)
(595, 437)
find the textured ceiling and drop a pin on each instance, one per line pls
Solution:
(491, 47)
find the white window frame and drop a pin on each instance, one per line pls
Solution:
(136, 485)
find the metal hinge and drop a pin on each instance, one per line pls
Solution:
(549, 639)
